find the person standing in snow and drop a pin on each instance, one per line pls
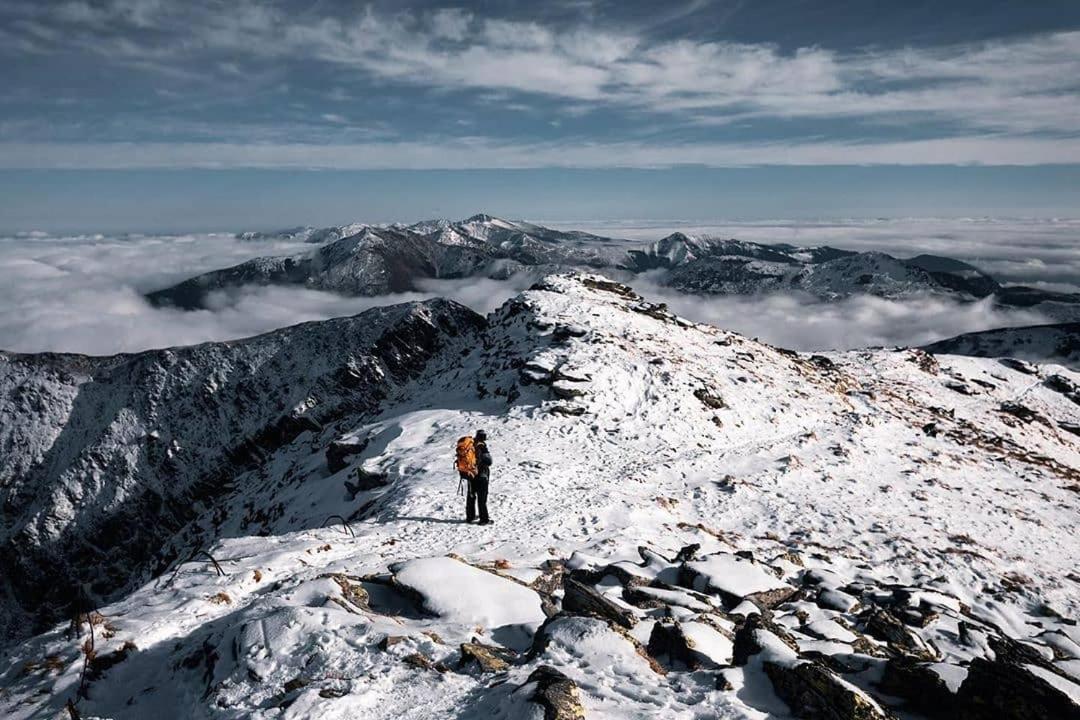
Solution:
(478, 486)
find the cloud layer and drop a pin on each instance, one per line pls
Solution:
(1039, 252)
(84, 294)
(801, 323)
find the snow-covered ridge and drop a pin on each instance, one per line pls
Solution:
(105, 458)
(900, 527)
(1039, 343)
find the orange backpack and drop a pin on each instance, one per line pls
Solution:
(466, 457)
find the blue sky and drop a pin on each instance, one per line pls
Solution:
(145, 114)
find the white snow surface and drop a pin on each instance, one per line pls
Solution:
(465, 594)
(734, 575)
(829, 456)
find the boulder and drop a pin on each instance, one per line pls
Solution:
(1063, 385)
(735, 579)
(338, 452)
(901, 639)
(581, 599)
(557, 694)
(1003, 690)
(567, 390)
(710, 399)
(754, 635)
(814, 692)
(922, 689)
(693, 645)
(486, 657)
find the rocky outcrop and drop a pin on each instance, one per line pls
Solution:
(884, 626)
(487, 658)
(557, 694)
(584, 600)
(1017, 683)
(814, 692)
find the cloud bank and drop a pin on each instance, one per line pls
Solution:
(1040, 252)
(84, 294)
(799, 322)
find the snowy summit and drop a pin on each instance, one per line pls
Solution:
(687, 523)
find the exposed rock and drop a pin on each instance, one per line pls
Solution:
(365, 481)
(748, 641)
(418, 660)
(562, 333)
(351, 590)
(1003, 690)
(667, 643)
(624, 572)
(557, 694)
(688, 552)
(884, 626)
(1022, 412)
(550, 578)
(610, 286)
(1019, 365)
(814, 692)
(1065, 386)
(572, 375)
(922, 689)
(338, 451)
(567, 390)
(673, 643)
(735, 579)
(101, 662)
(1069, 427)
(710, 399)
(959, 387)
(582, 599)
(833, 599)
(390, 640)
(769, 599)
(487, 657)
(925, 361)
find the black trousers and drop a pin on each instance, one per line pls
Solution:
(477, 499)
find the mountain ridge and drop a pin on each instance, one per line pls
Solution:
(394, 258)
(685, 519)
(96, 445)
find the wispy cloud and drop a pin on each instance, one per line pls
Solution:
(1006, 101)
(480, 153)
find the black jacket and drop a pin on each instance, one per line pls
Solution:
(483, 462)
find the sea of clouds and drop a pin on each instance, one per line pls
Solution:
(85, 293)
(1042, 252)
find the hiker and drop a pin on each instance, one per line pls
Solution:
(473, 463)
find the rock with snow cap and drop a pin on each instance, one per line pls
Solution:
(557, 694)
(735, 579)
